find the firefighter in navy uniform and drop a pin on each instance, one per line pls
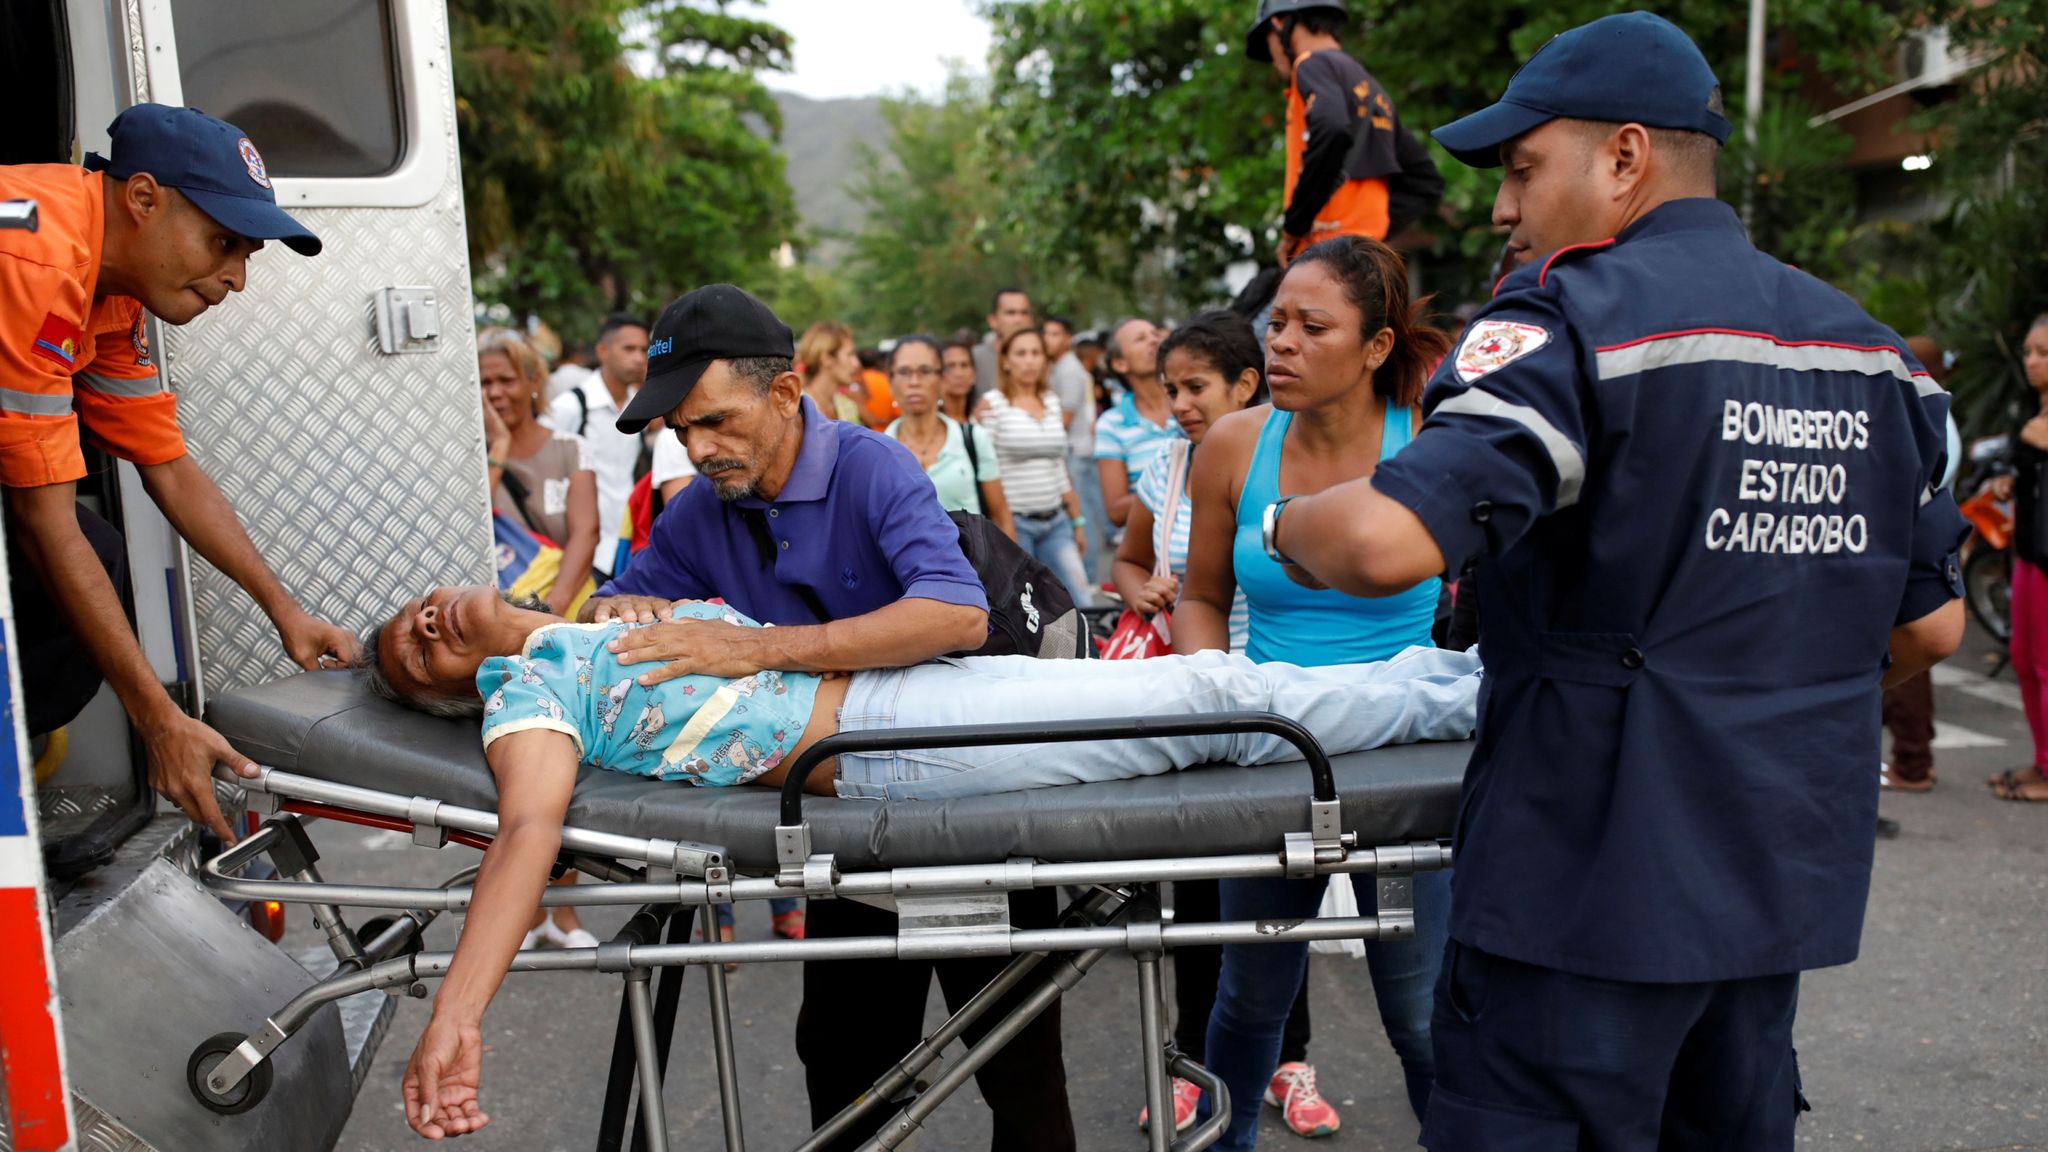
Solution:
(1352, 169)
(1703, 489)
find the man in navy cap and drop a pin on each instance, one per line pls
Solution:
(166, 228)
(1703, 489)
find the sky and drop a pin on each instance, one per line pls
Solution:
(864, 47)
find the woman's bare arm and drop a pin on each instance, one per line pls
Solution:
(1202, 619)
(1117, 497)
(536, 773)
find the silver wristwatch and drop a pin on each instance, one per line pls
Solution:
(1269, 531)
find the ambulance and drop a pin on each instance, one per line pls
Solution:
(335, 403)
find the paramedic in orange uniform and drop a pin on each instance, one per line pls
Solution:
(166, 227)
(1341, 129)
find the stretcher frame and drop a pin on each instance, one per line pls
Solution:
(944, 912)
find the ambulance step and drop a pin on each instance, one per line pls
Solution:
(365, 1017)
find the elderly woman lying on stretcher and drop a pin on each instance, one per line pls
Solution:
(552, 695)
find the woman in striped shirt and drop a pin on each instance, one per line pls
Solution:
(1023, 418)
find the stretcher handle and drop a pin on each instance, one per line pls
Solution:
(1062, 731)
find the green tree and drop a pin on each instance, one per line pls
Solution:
(1988, 277)
(939, 232)
(592, 187)
(1150, 133)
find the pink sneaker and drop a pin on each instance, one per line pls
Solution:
(1293, 1091)
(1185, 1096)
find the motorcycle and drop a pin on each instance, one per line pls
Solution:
(1987, 553)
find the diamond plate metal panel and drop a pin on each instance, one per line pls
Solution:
(359, 476)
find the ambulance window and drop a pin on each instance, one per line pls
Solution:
(313, 82)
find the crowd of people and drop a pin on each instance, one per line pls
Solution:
(1161, 455)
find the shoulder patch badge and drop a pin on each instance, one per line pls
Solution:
(253, 161)
(58, 340)
(1494, 344)
(139, 336)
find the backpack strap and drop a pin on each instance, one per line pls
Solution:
(582, 408)
(973, 462)
(764, 547)
(520, 493)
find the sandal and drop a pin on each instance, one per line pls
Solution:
(2025, 786)
(1889, 779)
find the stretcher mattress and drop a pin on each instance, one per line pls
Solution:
(326, 725)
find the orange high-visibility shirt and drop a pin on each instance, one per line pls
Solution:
(881, 407)
(1340, 96)
(65, 356)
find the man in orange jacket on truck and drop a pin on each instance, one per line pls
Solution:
(166, 227)
(1352, 170)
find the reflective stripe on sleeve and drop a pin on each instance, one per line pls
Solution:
(1678, 348)
(35, 403)
(1564, 455)
(115, 386)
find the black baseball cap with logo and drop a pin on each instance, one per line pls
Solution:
(208, 159)
(715, 322)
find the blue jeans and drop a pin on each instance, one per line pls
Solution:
(1422, 694)
(1256, 990)
(1050, 538)
(1088, 484)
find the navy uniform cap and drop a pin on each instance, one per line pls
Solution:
(209, 160)
(1634, 67)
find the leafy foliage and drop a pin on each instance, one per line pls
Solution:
(1150, 133)
(1990, 279)
(591, 187)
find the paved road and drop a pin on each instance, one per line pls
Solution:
(1936, 1039)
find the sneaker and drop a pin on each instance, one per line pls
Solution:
(555, 934)
(1186, 1095)
(789, 925)
(1293, 1091)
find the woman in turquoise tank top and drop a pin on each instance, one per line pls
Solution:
(1346, 359)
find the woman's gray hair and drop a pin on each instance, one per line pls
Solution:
(369, 669)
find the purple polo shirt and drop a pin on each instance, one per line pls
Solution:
(858, 523)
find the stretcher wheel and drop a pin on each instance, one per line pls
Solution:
(376, 926)
(237, 1100)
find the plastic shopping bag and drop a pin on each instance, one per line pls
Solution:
(1340, 901)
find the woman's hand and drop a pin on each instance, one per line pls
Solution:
(1081, 545)
(442, 1080)
(2035, 432)
(1157, 596)
(497, 437)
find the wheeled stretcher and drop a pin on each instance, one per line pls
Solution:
(329, 749)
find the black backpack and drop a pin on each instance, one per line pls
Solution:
(1030, 613)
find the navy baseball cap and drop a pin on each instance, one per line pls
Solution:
(1630, 68)
(209, 160)
(715, 322)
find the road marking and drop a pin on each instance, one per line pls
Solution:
(1948, 735)
(1973, 684)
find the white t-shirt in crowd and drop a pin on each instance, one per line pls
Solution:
(671, 459)
(1076, 389)
(564, 377)
(613, 454)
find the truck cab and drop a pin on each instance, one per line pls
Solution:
(334, 402)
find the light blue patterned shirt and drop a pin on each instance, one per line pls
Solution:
(704, 730)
